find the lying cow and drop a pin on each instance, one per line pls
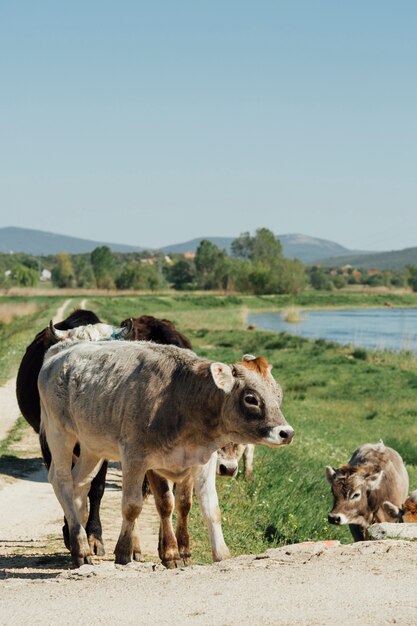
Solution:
(406, 513)
(153, 407)
(374, 474)
(229, 456)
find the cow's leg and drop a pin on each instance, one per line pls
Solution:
(205, 489)
(183, 501)
(359, 533)
(248, 460)
(83, 473)
(164, 501)
(93, 528)
(60, 476)
(132, 500)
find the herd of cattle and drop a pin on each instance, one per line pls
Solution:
(138, 394)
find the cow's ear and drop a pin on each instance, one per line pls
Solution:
(330, 474)
(391, 510)
(222, 376)
(374, 480)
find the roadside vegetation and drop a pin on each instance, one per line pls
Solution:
(335, 397)
(255, 264)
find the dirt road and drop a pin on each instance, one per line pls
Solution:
(367, 583)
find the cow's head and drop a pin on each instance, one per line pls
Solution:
(163, 331)
(228, 459)
(351, 488)
(407, 513)
(251, 408)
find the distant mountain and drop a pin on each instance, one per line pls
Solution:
(191, 246)
(393, 260)
(295, 246)
(40, 243)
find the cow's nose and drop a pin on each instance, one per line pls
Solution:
(333, 519)
(286, 434)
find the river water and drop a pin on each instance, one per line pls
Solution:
(380, 329)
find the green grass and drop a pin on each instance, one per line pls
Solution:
(336, 398)
(18, 334)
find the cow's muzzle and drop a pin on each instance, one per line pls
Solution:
(225, 469)
(279, 436)
(337, 518)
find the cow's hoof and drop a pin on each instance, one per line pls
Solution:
(122, 558)
(171, 564)
(137, 556)
(96, 545)
(187, 561)
(81, 560)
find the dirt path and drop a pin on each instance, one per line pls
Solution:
(361, 584)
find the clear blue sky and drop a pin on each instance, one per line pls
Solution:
(150, 123)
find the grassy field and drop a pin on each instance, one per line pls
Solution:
(335, 397)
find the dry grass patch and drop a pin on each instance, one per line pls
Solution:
(10, 310)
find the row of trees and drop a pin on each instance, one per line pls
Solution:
(255, 265)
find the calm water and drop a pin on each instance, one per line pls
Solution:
(382, 329)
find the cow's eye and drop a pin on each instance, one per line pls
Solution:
(251, 399)
(356, 495)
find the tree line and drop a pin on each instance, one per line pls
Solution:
(255, 265)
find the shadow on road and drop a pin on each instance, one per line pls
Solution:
(32, 566)
(27, 469)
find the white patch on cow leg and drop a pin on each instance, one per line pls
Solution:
(205, 489)
(248, 460)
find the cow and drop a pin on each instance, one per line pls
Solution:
(229, 456)
(406, 513)
(374, 474)
(153, 407)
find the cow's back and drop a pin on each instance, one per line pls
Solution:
(116, 388)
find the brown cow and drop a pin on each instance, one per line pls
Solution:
(407, 512)
(374, 474)
(154, 407)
